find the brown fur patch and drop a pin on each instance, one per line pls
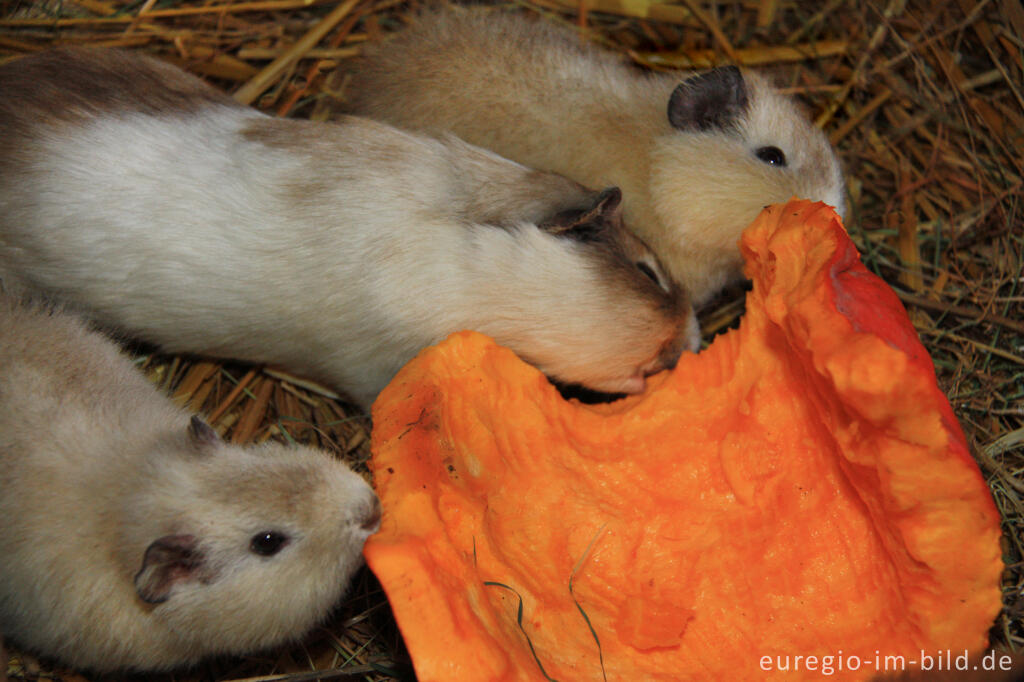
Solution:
(71, 85)
(490, 189)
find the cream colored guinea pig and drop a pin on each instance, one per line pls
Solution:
(160, 206)
(133, 537)
(697, 156)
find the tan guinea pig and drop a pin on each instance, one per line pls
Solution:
(337, 250)
(133, 537)
(697, 156)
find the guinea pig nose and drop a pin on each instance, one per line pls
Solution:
(670, 352)
(371, 522)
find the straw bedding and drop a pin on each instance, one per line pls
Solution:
(924, 101)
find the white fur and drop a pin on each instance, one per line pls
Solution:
(96, 465)
(541, 96)
(336, 250)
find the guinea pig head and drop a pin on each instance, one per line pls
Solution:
(249, 546)
(593, 305)
(732, 145)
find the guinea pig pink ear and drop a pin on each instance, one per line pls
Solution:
(201, 435)
(168, 561)
(710, 100)
(586, 224)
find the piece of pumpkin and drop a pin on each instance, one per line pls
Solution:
(800, 488)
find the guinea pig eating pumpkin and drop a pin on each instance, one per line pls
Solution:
(697, 155)
(160, 206)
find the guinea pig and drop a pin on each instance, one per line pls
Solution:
(134, 191)
(133, 537)
(697, 156)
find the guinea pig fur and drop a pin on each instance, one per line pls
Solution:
(132, 190)
(133, 537)
(697, 156)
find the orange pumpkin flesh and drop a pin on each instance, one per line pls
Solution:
(799, 488)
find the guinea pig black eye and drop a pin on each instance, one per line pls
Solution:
(268, 543)
(773, 156)
(649, 271)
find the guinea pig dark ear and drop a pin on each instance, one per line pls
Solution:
(608, 204)
(168, 561)
(201, 435)
(588, 223)
(709, 100)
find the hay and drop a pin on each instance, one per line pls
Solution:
(924, 101)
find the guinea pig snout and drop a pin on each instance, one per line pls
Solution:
(668, 355)
(685, 339)
(370, 520)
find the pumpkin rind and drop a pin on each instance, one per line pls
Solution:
(801, 487)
